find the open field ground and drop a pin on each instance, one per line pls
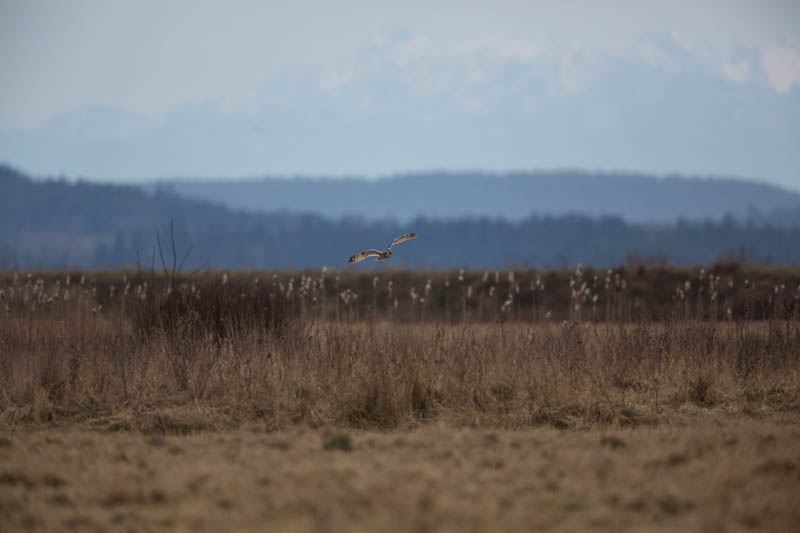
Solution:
(702, 473)
(226, 403)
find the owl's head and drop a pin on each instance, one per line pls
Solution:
(387, 253)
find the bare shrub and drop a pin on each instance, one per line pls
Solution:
(206, 307)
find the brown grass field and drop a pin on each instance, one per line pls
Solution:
(133, 401)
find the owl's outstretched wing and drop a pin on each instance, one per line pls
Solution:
(363, 255)
(402, 238)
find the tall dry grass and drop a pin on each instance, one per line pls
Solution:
(217, 351)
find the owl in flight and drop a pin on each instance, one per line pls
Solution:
(386, 254)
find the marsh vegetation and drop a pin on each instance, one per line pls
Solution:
(649, 397)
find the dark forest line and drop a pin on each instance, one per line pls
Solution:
(56, 223)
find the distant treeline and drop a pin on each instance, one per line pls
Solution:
(55, 223)
(639, 198)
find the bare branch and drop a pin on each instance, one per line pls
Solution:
(185, 257)
(174, 254)
(160, 253)
(197, 271)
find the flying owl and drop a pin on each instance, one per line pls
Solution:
(386, 254)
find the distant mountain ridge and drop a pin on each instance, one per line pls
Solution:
(515, 196)
(663, 109)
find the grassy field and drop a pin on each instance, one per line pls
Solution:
(706, 473)
(217, 402)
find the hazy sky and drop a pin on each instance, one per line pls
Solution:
(101, 87)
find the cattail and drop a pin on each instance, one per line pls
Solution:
(428, 287)
(225, 278)
(469, 292)
(461, 276)
(485, 276)
(347, 295)
(510, 277)
(375, 282)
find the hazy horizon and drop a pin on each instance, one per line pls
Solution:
(254, 89)
(312, 177)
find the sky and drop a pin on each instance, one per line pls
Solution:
(118, 90)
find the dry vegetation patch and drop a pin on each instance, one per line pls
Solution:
(719, 473)
(386, 375)
(231, 404)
